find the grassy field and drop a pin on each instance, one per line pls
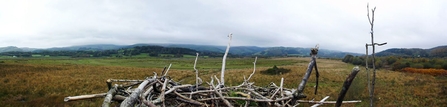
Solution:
(45, 82)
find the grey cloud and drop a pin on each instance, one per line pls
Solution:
(332, 24)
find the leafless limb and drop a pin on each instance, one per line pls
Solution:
(321, 102)
(346, 85)
(197, 72)
(83, 97)
(222, 75)
(254, 69)
(167, 70)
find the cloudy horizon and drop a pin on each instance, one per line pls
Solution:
(335, 25)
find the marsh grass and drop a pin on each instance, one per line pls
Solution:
(45, 82)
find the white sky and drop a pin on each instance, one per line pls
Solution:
(336, 25)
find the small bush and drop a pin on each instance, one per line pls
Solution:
(275, 71)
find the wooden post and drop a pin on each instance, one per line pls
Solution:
(312, 63)
(346, 86)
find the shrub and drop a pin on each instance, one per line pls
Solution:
(417, 66)
(275, 71)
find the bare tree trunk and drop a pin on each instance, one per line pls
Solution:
(222, 75)
(371, 22)
(312, 63)
(367, 71)
(346, 86)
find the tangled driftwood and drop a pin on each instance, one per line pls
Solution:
(163, 91)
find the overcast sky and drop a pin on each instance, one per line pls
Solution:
(337, 25)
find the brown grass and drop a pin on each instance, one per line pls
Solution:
(47, 85)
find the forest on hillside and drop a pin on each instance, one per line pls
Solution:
(153, 51)
(434, 66)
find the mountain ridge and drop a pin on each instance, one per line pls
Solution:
(236, 50)
(438, 51)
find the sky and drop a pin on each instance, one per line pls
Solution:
(333, 24)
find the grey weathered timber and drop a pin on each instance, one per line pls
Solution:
(82, 97)
(109, 97)
(312, 63)
(346, 86)
(130, 101)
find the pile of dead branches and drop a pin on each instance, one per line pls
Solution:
(163, 91)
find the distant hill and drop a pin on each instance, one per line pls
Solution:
(297, 51)
(440, 51)
(412, 52)
(234, 50)
(10, 49)
(96, 47)
(259, 51)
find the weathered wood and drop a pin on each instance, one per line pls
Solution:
(254, 69)
(189, 100)
(317, 75)
(130, 101)
(300, 89)
(197, 72)
(161, 98)
(166, 73)
(222, 98)
(222, 75)
(91, 96)
(109, 97)
(373, 45)
(346, 86)
(328, 102)
(83, 97)
(321, 102)
(123, 80)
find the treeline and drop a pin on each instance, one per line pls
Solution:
(154, 51)
(397, 63)
(17, 54)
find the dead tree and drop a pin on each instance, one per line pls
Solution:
(373, 45)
